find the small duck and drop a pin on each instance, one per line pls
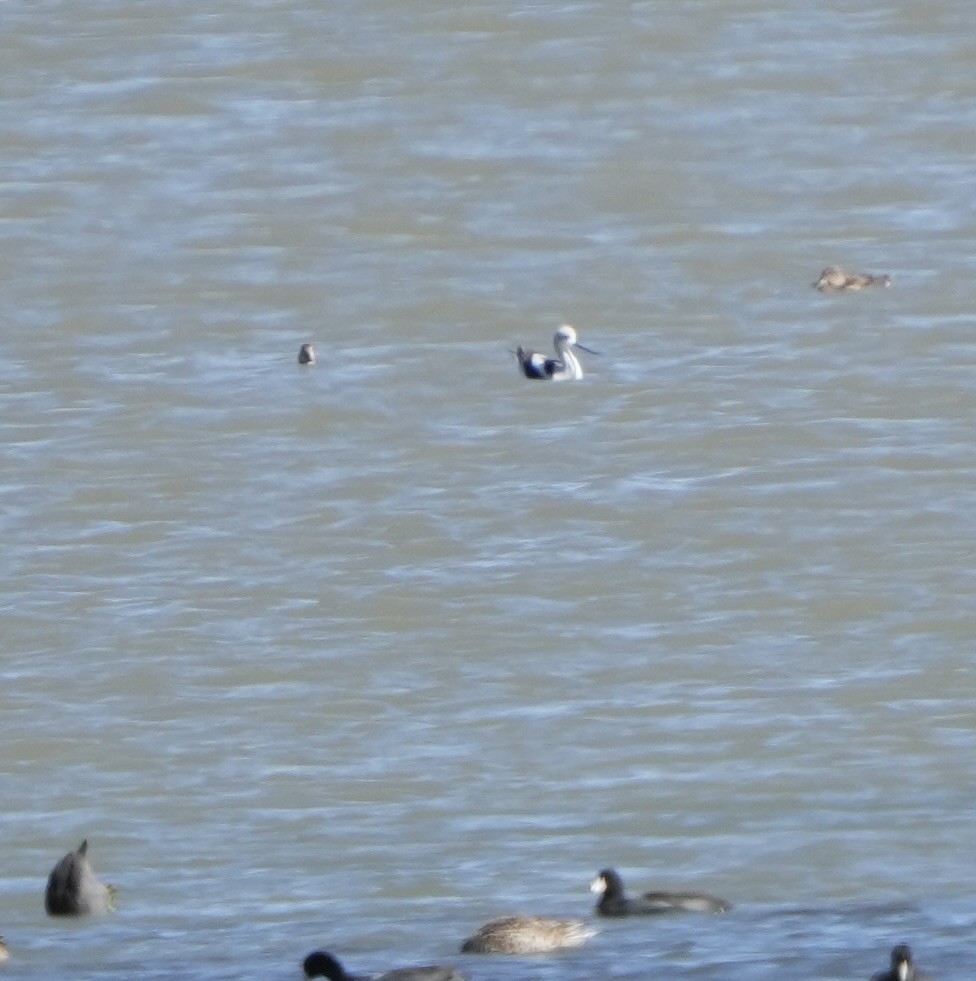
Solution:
(564, 367)
(527, 935)
(902, 967)
(614, 902)
(834, 279)
(306, 354)
(322, 964)
(73, 888)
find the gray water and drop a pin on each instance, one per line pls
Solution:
(363, 654)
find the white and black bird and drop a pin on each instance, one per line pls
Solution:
(564, 367)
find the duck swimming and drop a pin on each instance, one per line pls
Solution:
(902, 967)
(306, 354)
(613, 901)
(564, 367)
(834, 280)
(322, 964)
(527, 935)
(73, 889)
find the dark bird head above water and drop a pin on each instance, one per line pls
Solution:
(306, 354)
(902, 967)
(321, 964)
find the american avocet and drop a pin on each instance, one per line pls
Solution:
(834, 279)
(306, 354)
(564, 367)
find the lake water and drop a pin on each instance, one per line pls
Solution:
(361, 655)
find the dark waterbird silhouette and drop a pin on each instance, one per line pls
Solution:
(322, 964)
(902, 967)
(73, 889)
(614, 901)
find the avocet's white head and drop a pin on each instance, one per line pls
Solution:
(564, 342)
(565, 337)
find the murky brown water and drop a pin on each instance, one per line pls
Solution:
(360, 655)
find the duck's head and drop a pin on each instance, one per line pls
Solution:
(832, 278)
(901, 961)
(321, 964)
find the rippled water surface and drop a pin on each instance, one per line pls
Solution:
(363, 654)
